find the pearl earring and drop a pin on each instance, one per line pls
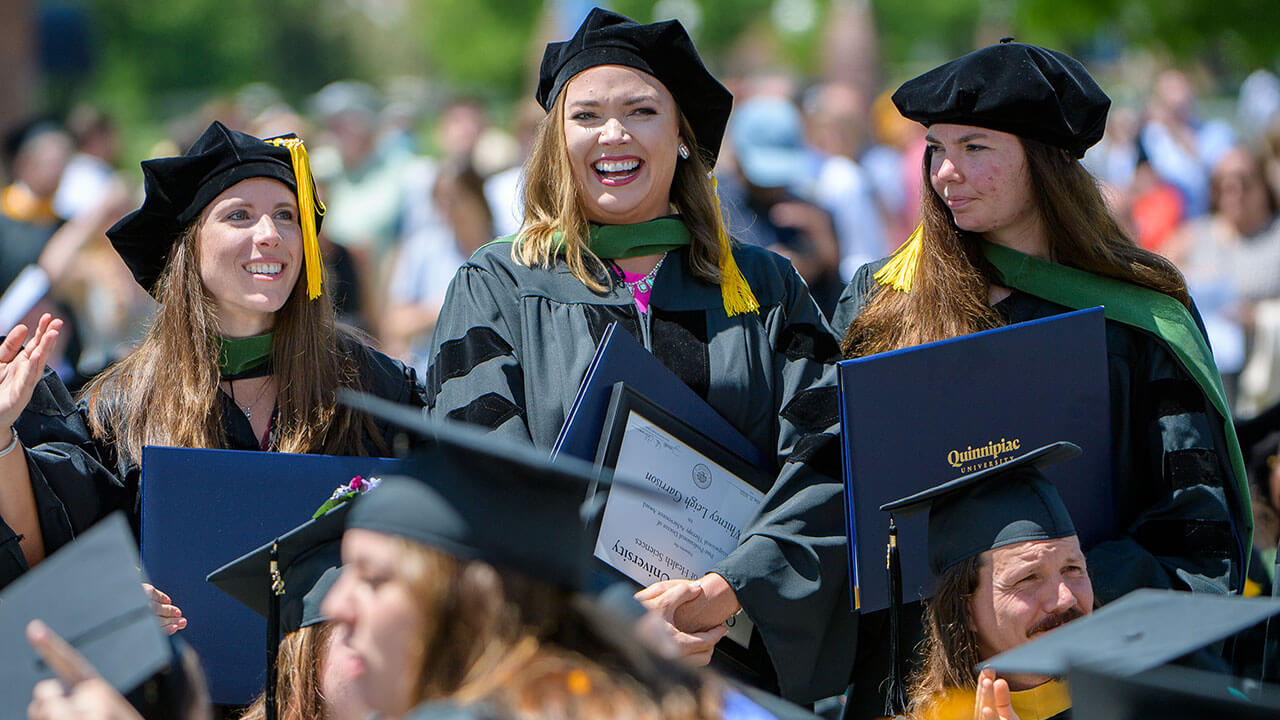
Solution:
(684, 151)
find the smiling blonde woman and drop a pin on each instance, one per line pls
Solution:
(622, 225)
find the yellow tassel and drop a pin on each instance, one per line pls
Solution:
(309, 206)
(901, 268)
(734, 290)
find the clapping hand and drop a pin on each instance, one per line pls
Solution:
(21, 366)
(993, 701)
(78, 692)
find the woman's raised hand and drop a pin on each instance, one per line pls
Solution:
(22, 362)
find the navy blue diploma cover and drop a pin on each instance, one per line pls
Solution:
(621, 358)
(203, 508)
(918, 417)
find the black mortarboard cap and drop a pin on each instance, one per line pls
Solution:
(476, 496)
(662, 49)
(286, 580)
(1141, 630)
(1030, 91)
(90, 593)
(178, 189)
(307, 559)
(1001, 505)
(1169, 693)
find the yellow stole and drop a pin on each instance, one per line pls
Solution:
(1039, 703)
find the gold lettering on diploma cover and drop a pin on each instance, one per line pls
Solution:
(972, 458)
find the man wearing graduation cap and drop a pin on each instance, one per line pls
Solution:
(1009, 567)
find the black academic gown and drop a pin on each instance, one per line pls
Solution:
(512, 346)
(1172, 473)
(78, 479)
(1171, 476)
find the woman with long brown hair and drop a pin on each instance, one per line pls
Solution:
(463, 594)
(622, 225)
(243, 351)
(1014, 228)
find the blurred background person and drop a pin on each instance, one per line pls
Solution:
(429, 259)
(771, 160)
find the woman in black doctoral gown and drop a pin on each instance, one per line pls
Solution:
(243, 351)
(622, 225)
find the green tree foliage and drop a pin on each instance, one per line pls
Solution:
(157, 49)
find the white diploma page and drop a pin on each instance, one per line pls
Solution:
(697, 520)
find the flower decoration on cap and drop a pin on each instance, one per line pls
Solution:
(346, 493)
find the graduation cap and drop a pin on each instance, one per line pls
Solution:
(1008, 503)
(662, 49)
(1030, 91)
(1142, 630)
(89, 593)
(179, 188)
(477, 496)
(1169, 693)
(286, 580)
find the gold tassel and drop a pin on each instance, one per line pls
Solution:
(734, 290)
(901, 268)
(309, 206)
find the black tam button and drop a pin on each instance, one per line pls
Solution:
(662, 49)
(1016, 88)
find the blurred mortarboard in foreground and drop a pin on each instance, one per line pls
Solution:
(477, 496)
(661, 49)
(1009, 503)
(1169, 693)
(90, 593)
(1140, 631)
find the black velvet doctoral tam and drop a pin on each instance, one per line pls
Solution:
(1029, 91)
(662, 49)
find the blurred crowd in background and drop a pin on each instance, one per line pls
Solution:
(821, 170)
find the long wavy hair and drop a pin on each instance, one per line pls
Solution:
(949, 293)
(950, 645)
(555, 220)
(298, 670)
(532, 651)
(166, 392)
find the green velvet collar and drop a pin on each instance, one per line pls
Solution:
(239, 355)
(647, 238)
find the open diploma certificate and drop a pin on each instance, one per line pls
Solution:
(700, 520)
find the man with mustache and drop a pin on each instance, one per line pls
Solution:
(1009, 567)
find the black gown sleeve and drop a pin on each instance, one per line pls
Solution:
(1171, 479)
(475, 374)
(790, 572)
(854, 297)
(389, 379)
(72, 486)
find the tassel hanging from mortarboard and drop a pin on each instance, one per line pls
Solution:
(734, 290)
(900, 271)
(309, 206)
(273, 632)
(895, 703)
